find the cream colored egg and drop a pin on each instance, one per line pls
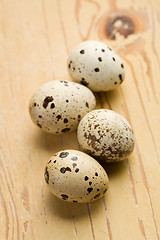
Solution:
(105, 135)
(95, 65)
(58, 106)
(74, 176)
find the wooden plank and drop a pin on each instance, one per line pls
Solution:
(36, 38)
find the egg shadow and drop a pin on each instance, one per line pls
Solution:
(65, 210)
(49, 142)
(104, 99)
(114, 169)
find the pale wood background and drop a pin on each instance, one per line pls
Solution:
(35, 39)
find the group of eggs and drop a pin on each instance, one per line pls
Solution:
(58, 107)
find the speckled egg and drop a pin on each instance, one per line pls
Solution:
(106, 135)
(95, 65)
(58, 106)
(74, 176)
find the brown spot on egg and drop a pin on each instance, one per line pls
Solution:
(74, 158)
(63, 170)
(65, 130)
(84, 82)
(100, 59)
(68, 169)
(120, 77)
(97, 196)
(92, 141)
(47, 100)
(96, 126)
(65, 120)
(82, 51)
(96, 69)
(63, 154)
(104, 191)
(46, 175)
(89, 190)
(64, 196)
(74, 165)
(52, 105)
(39, 125)
(112, 135)
(58, 117)
(69, 65)
(87, 104)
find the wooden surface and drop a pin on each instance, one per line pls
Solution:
(35, 39)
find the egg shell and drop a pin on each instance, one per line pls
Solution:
(57, 106)
(95, 65)
(74, 176)
(105, 135)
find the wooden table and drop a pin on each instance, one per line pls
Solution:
(35, 39)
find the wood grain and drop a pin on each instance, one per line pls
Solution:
(35, 40)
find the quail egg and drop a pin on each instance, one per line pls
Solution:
(105, 135)
(58, 106)
(95, 65)
(74, 176)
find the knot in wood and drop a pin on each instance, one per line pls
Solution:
(122, 25)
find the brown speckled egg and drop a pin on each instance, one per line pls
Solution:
(105, 135)
(95, 65)
(58, 106)
(74, 176)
